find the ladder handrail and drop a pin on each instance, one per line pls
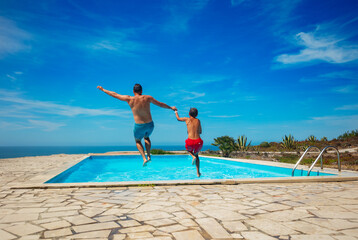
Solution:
(299, 160)
(320, 155)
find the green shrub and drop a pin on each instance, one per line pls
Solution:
(324, 139)
(311, 139)
(226, 144)
(347, 135)
(265, 145)
(159, 152)
(304, 147)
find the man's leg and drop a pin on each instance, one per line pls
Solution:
(141, 150)
(148, 145)
(197, 164)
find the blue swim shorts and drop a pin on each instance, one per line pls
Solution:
(143, 130)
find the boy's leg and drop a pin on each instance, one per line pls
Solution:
(141, 150)
(193, 156)
(197, 164)
(148, 145)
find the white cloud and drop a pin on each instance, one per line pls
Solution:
(348, 107)
(192, 95)
(18, 73)
(318, 46)
(12, 38)
(225, 116)
(54, 108)
(345, 89)
(181, 12)
(236, 2)
(199, 79)
(342, 74)
(118, 44)
(349, 122)
(11, 77)
(13, 125)
(204, 79)
(350, 75)
(45, 125)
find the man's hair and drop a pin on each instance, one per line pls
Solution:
(193, 112)
(137, 88)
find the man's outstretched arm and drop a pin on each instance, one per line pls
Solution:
(160, 104)
(114, 94)
(179, 118)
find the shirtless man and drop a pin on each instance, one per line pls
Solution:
(194, 143)
(140, 105)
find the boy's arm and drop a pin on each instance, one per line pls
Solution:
(179, 118)
(200, 130)
(160, 104)
(115, 95)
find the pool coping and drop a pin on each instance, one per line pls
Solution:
(38, 182)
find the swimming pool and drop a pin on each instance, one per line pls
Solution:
(167, 167)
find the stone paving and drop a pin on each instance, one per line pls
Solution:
(246, 211)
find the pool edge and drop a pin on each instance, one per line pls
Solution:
(188, 182)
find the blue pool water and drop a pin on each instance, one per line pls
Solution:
(164, 167)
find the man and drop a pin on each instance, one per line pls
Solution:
(143, 127)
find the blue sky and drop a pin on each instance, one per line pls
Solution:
(261, 68)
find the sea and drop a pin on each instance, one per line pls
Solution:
(27, 151)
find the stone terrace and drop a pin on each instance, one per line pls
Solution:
(246, 211)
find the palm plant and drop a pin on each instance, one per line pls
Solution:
(311, 139)
(242, 143)
(226, 144)
(304, 147)
(324, 139)
(288, 142)
(347, 135)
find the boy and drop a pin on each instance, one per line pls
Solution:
(194, 143)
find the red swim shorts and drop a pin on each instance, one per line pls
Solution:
(193, 145)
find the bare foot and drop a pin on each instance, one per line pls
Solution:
(199, 174)
(149, 158)
(145, 163)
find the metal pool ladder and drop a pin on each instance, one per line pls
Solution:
(299, 160)
(320, 156)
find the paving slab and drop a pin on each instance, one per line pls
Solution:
(12, 218)
(311, 237)
(24, 229)
(58, 233)
(143, 228)
(254, 235)
(5, 235)
(213, 228)
(94, 234)
(185, 235)
(271, 227)
(150, 215)
(79, 219)
(234, 226)
(172, 228)
(95, 226)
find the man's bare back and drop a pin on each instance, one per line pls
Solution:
(140, 106)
